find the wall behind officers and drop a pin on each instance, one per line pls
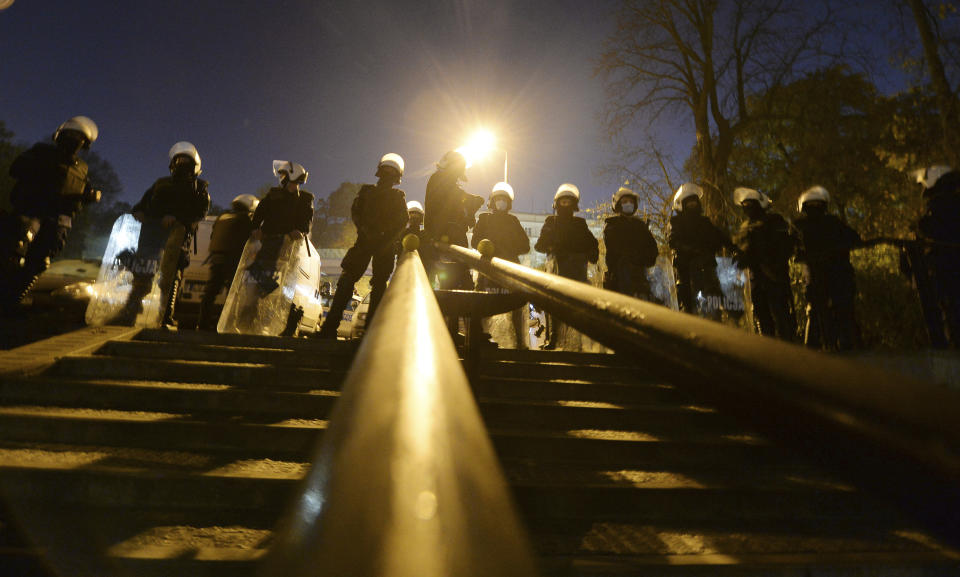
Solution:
(227, 239)
(380, 215)
(181, 198)
(764, 245)
(696, 243)
(568, 241)
(50, 189)
(938, 231)
(830, 285)
(448, 212)
(630, 248)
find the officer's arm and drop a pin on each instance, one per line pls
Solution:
(307, 216)
(545, 242)
(593, 246)
(479, 231)
(522, 240)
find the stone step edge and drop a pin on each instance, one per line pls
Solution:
(36, 357)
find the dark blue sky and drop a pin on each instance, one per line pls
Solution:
(332, 85)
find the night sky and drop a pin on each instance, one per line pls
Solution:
(332, 85)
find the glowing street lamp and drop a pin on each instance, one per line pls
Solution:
(481, 143)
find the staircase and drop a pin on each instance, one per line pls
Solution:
(174, 454)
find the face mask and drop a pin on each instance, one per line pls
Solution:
(693, 208)
(814, 209)
(753, 210)
(565, 210)
(627, 207)
(500, 205)
(416, 220)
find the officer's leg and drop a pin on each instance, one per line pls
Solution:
(814, 335)
(47, 243)
(761, 309)
(354, 264)
(842, 297)
(218, 277)
(780, 301)
(141, 287)
(383, 263)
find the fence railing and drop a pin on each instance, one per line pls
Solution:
(900, 434)
(405, 481)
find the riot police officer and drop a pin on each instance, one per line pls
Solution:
(284, 213)
(414, 223)
(501, 227)
(696, 243)
(51, 187)
(630, 247)
(380, 215)
(509, 240)
(448, 212)
(764, 245)
(831, 289)
(179, 199)
(568, 240)
(227, 239)
(937, 231)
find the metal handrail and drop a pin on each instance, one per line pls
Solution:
(405, 481)
(801, 394)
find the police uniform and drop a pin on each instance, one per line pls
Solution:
(380, 214)
(51, 187)
(227, 239)
(937, 230)
(448, 213)
(825, 244)
(630, 250)
(184, 197)
(568, 239)
(696, 242)
(764, 246)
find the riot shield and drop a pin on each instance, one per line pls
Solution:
(266, 286)
(663, 284)
(735, 287)
(137, 273)
(510, 329)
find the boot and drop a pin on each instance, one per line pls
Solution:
(293, 321)
(169, 323)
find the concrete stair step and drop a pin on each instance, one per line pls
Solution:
(572, 389)
(217, 353)
(322, 346)
(596, 373)
(263, 435)
(800, 564)
(168, 397)
(244, 374)
(557, 357)
(284, 438)
(542, 506)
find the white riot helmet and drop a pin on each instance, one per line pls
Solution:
(454, 160)
(188, 150)
(929, 176)
(288, 171)
(686, 190)
(624, 192)
(392, 160)
(813, 194)
(245, 202)
(502, 189)
(415, 206)
(567, 190)
(742, 194)
(81, 124)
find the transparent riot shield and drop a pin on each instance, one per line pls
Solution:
(663, 284)
(136, 274)
(264, 290)
(509, 330)
(735, 286)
